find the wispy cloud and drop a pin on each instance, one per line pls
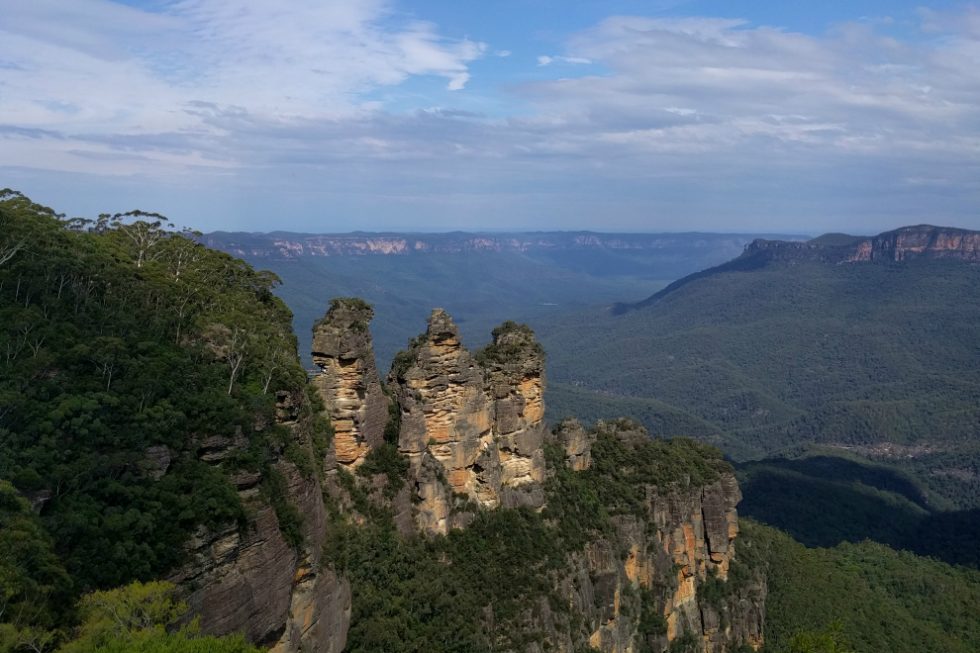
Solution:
(547, 60)
(117, 69)
(702, 120)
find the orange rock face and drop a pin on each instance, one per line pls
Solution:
(349, 383)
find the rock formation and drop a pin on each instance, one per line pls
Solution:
(514, 365)
(903, 244)
(658, 561)
(472, 430)
(921, 241)
(471, 426)
(349, 383)
(900, 245)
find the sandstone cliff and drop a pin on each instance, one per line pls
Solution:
(472, 430)
(923, 242)
(471, 427)
(249, 578)
(454, 435)
(661, 577)
(903, 244)
(349, 384)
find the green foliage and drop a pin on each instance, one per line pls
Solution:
(359, 309)
(405, 358)
(863, 597)
(829, 640)
(449, 593)
(34, 586)
(119, 337)
(351, 303)
(512, 342)
(275, 490)
(471, 590)
(143, 618)
(652, 621)
(623, 467)
(822, 500)
(760, 360)
(388, 461)
(688, 642)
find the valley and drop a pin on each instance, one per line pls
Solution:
(172, 480)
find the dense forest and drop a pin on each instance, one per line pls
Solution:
(124, 345)
(863, 597)
(877, 360)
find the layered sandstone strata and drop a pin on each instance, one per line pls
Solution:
(349, 383)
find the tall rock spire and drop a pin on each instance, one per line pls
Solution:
(349, 383)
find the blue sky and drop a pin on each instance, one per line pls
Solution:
(339, 115)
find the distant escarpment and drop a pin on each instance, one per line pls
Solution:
(900, 245)
(286, 245)
(903, 244)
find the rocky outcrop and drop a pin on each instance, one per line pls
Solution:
(514, 366)
(576, 443)
(349, 383)
(921, 241)
(446, 423)
(661, 576)
(471, 426)
(904, 244)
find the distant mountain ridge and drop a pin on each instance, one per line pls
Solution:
(898, 245)
(287, 245)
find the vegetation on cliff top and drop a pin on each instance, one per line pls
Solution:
(473, 589)
(511, 343)
(124, 346)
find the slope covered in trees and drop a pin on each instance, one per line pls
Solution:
(878, 359)
(862, 598)
(124, 344)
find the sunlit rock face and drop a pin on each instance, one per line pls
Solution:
(514, 365)
(349, 383)
(921, 241)
(657, 562)
(472, 424)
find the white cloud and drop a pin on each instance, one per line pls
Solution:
(93, 67)
(704, 119)
(547, 60)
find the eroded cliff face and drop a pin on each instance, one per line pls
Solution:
(660, 577)
(470, 430)
(349, 384)
(921, 241)
(248, 578)
(903, 244)
(471, 426)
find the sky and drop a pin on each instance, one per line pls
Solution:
(616, 115)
